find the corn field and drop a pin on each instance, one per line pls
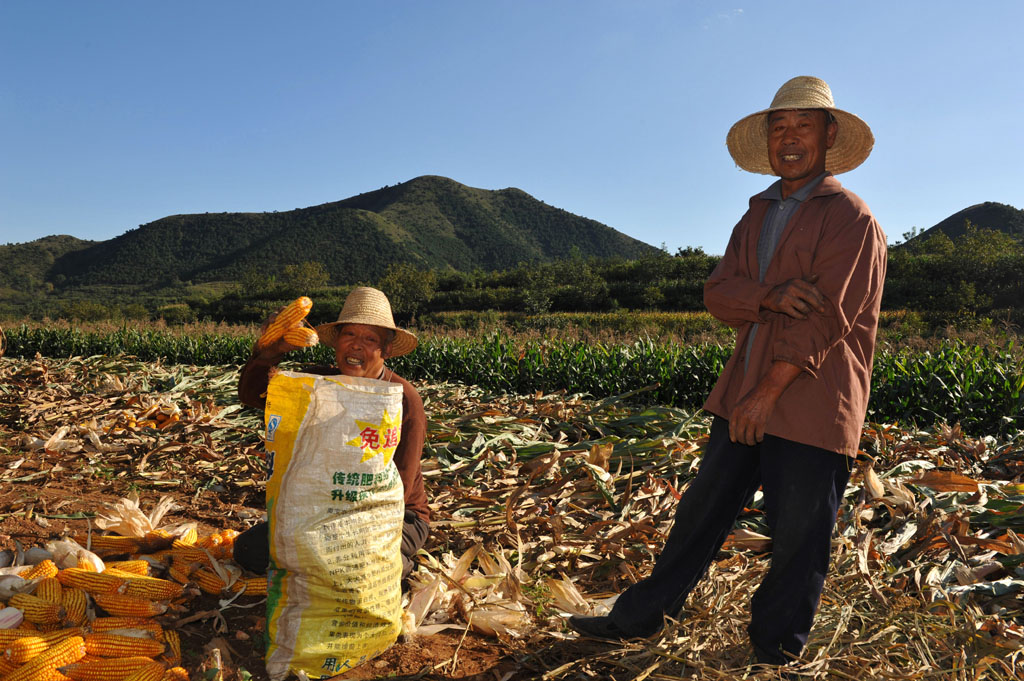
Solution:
(981, 387)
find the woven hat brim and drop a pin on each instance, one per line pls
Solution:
(404, 342)
(748, 142)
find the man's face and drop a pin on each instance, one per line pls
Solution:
(361, 350)
(797, 142)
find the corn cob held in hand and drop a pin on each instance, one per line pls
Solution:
(290, 316)
(303, 336)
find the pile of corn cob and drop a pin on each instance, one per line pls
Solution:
(158, 416)
(75, 616)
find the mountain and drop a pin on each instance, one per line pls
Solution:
(430, 221)
(26, 266)
(998, 217)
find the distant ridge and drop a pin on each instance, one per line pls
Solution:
(26, 266)
(430, 221)
(998, 217)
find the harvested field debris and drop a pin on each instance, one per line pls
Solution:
(544, 505)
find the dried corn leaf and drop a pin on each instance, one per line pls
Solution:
(126, 517)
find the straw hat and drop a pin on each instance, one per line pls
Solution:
(748, 139)
(367, 305)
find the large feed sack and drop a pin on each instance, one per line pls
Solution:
(335, 508)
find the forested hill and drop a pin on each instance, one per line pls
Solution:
(432, 222)
(998, 217)
(27, 266)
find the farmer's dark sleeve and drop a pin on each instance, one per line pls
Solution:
(410, 449)
(254, 378)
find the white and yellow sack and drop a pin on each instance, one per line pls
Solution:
(335, 507)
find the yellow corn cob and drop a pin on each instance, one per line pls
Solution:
(108, 644)
(183, 553)
(302, 336)
(173, 654)
(153, 588)
(120, 574)
(76, 605)
(254, 586)
(92, 582)
(168, 421)
(6, 667)
(121, 605)
(179, 575)
(219, 544)
(207, 541)
(8, 636)
(50, 674)
(226, 547)
(41, 570)
(50, 637)
(209, 581)
(292, 314)
(113, 545)
(105, 668)
(86, 564)
(154, 671)
(160, 558)
(37, 610)
(25, 648)
(49, 589)
(189, 536)
(134, 567)
(39, 667)
(175, 674)
(229, 535)
(146, 624)
(64, 633)
(156, 540)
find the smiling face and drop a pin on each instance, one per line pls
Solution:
(797, 142)
(361, 350)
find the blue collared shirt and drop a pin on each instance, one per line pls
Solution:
(776, 219)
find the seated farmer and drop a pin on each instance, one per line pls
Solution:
(363, 337)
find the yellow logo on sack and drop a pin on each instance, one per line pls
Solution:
(378, 438)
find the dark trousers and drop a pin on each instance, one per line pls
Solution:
(802, 487)
(252, 547)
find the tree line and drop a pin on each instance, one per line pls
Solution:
(979, 273)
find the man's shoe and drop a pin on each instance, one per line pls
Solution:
(598, 627)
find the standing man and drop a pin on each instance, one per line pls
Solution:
(801, 281)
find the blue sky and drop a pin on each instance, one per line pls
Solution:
(114, 114)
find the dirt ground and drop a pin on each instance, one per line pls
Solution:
(34, 511)
(524, 531)
(55, 490)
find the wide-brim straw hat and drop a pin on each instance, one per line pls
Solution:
(748, 139)
(367, 305)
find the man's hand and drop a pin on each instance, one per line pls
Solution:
(750, 415)
(795, 298)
